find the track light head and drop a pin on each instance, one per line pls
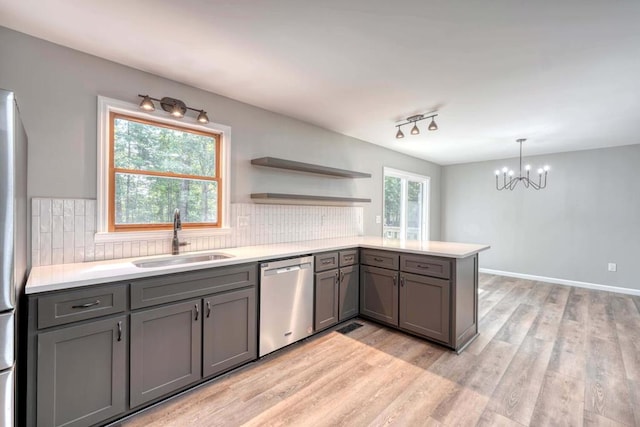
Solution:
(147, 103)
(399, 134)
(202, 117)
(415, 130)
(433, 126)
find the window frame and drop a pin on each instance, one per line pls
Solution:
(105, 184)
(409, 176)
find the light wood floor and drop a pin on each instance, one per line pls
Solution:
(547, 355)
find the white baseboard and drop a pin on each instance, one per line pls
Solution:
(565, 282)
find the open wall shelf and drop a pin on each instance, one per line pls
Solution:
(302, 199)
(273, 162)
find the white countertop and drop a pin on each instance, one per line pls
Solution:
(67, 276)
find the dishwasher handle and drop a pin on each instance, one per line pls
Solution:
(286, 269)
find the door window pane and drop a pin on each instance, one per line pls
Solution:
(405, 206)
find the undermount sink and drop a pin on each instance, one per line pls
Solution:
(178, 260)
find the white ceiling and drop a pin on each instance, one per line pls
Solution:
(564, 74)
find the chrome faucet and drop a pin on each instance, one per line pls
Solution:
(177, 225)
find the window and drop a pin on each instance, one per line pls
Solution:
(406, 206)
(150, 164)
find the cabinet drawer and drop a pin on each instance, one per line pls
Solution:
(326, 261)
(180, 286)
(67, 307)
(382, 259)
(434, 267)
(349, 257)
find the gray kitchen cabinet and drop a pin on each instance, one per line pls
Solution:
(349, 292)
(424, 306)
(379, 294)
(229, 331)
(82, 373)
(326, 299)
(165, 350)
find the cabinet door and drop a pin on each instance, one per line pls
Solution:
(82, 373)
(229, 331)
(379, 294)
(349, 289)
(165, 350)
(326, 299)
(424, 306)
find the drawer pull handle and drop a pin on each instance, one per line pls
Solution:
(422, 266)
(378, 259)
(197, 311)
(327, 261)
(120, 330)
(208, 309)
(348, 258)
(87, 305)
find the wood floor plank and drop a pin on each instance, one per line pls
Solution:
(601, 321)
(596, 420)
(577, 305)
(517, 326)
(558, 403)
(538, 294)
(634, 394)
(569, 353)
(462, 407)
(492, 419)
(516, 394)
(559, 295)
(606, 388)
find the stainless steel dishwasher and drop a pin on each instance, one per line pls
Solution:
(286, 302)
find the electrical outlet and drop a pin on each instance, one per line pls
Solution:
(378, 219)
(612, 266)
(243, 221)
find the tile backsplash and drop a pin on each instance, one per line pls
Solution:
(62, 230)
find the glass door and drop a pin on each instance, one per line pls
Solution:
(406, 207)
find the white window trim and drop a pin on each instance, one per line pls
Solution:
(387, 171)
(108, 105)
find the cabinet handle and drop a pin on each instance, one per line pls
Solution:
(395, 280)
(402, 281)
(422, 266)
(327, 261)
(120, 330)
(208, 309)
(337, 278)
(197, 311)
(341, 276)
(378, 259)
(348, 258)
(87, 305)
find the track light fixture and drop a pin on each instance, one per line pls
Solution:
(173, 106)
(528, 182)
(414, 120)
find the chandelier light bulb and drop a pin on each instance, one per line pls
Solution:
(510, 173)
(540, 170)
(497, 172)
(546, 168)
(505, 169)
(528, 167)
(415, 130)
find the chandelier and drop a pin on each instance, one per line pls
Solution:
(512, 181)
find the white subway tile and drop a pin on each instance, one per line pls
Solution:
(78, 207)
(135, 248)
(45, 215)
(117, 250)
(57, 207)
(126, 249)
(35, 258)
(68, 207)
(108, 250)
(78, 231)
(99, 254)
(78, 255)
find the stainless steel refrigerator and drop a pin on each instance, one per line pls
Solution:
(13, 245)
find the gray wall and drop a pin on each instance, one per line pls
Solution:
(56, 88)
(588, 215)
